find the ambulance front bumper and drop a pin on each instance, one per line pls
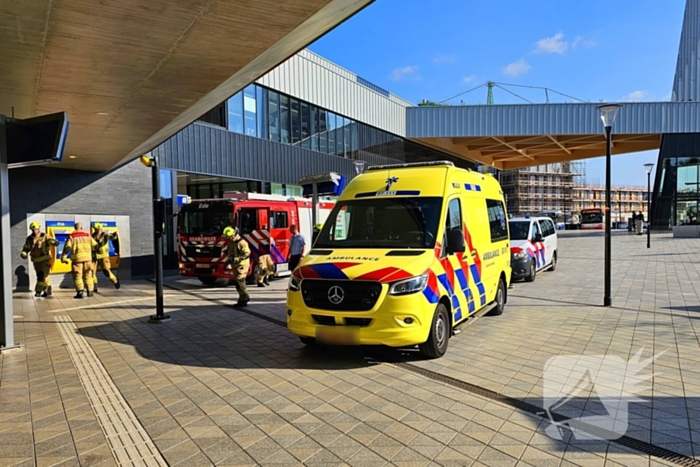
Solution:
(394, 321)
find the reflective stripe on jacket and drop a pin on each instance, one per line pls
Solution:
(103, 244)
(79, 245)
(38, 247)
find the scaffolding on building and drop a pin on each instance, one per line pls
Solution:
(549, 187)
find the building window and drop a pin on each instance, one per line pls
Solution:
(249, 109)
(273, 104)
(262, 114)
(330, 120)
(235, 113)
(323, 131)
(296, 121)
(305, 126)
(284, 119)
(339, 136)
(314, 128)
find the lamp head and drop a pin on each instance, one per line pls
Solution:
(648, 166)
(147, 161)
(608, 112)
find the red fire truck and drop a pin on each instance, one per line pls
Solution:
(263, 221)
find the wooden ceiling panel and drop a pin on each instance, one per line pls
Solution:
(125, 70)
(513, 152)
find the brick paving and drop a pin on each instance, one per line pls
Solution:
(215, 386)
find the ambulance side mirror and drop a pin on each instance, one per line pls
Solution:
(455, 241)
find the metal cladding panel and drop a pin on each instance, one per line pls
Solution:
(549, 119)
(313, 79)
(205, 149)
(686, 83)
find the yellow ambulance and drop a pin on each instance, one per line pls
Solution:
(407, 255)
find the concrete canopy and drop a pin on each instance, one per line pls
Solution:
(131, 73)
(513, 136)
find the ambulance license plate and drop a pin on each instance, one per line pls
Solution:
(338, 336)
(203, 266)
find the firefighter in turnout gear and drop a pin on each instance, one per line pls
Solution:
(38, 247)
(102, 253)
(266, 269)
(93, 268)
(239, 261)
(80, 246)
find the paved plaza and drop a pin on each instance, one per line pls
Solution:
(95, 384)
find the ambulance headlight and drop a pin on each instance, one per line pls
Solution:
(519, 255)
(409, 286)
(294, 284)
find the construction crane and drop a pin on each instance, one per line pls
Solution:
(490, 85)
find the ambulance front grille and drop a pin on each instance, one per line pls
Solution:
(356, 295)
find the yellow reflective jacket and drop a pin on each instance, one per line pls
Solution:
(102, 249)
(38, 247)
(80, 245)
(238, 252)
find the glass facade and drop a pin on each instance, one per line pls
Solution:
(263, 113)
(677, 185)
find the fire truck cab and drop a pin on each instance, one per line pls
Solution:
(263, 221)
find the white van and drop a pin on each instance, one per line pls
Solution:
(533, 246)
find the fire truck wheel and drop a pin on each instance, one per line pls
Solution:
(207, 280)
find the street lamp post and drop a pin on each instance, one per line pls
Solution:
(648, 166)
(608, 112)
(158, 230)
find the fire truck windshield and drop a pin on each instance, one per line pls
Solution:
(205, 218)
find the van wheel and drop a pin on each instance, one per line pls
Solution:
(500, 299)
(436, 345)
(533, 272)
(553, 267)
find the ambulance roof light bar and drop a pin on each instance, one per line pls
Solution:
(410, 164)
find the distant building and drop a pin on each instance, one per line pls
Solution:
(624, 200)
(547, 187)
(561, 187)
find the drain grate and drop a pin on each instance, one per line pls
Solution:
(632, 443)
(128, 440)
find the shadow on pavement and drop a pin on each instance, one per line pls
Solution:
(214, 336)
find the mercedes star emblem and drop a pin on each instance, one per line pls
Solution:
(336, 295)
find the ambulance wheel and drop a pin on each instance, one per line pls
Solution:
(533, 272)
(436, 345)
(553, 267)
(308, 341)
(207, 280)
(500, 299)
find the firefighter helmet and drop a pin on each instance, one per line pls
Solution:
(34, 225)
(319, 226)
(97, 226)
(230, 231)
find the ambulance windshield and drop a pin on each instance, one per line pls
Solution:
(205, 218)
(382, 223)
(519, 230)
